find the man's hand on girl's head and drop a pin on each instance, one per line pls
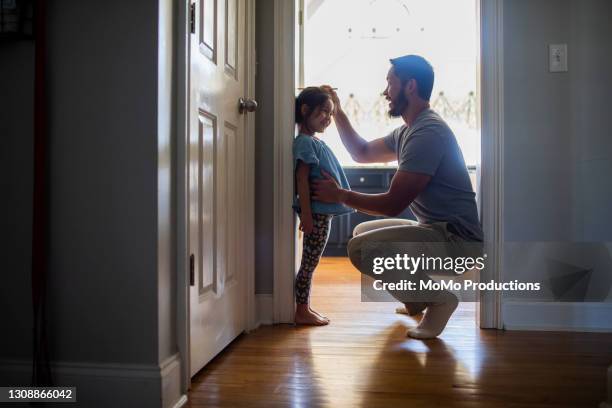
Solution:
(334, 97)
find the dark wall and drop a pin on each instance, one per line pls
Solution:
(264, 148)
(16, 184)
(101, 72)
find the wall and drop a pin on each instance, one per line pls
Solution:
(591, 86)
(102, 201)
(557, 116)
(111, 275)
(538, 194)
(264, 148)
(16, 185)
(557, 151)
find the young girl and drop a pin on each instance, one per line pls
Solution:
(313, 111)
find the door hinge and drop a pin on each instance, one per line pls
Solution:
(191, 270)
(192, 18)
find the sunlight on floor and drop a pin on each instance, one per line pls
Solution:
(336, 293)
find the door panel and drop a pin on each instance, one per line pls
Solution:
(217, 178)
(231, 36)
(205, 210)
(208, 28)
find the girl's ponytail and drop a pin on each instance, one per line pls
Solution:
(298, 110)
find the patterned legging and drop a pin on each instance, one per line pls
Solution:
(314, 244)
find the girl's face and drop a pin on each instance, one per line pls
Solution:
(320, 118)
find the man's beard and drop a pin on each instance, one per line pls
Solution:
(399, 105)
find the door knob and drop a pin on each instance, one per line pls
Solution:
(247, 104)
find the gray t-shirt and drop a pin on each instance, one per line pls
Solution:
(430, 147)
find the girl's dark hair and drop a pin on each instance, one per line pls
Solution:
(312, 96)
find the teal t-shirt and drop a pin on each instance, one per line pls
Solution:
(319, 156)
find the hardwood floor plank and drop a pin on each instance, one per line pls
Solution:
(364, 359)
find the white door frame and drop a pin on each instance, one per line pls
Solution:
(182, 131)
(284, 129)
(491, 82)
(492, 154)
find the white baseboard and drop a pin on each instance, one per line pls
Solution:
(170, 375)
(265, 309)
(557, 316)
(108, 385)
(182, 401)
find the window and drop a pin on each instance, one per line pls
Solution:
(348, 44)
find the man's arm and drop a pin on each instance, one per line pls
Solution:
(362, 151)
(405, 187)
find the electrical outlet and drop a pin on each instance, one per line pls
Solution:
(557, 57)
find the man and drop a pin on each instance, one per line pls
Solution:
(432, 179)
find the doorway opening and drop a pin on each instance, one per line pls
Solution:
(349, 48)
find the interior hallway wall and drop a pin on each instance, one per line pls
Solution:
(537, 134)
(111, 291)
(558, 155)
(103, 180)
(16, 186)
(264, 148)
(591, 90)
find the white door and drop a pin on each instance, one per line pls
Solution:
(216, 160)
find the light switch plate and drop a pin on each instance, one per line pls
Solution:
(557, 57)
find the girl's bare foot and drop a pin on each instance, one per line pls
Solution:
(303, 315)
(318, 314)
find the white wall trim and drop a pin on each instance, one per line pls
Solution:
(265, 309)
(558, 316)
(492, 142)
(284, 129)
(109, 384)
(608, 402)
(251, 61)
(301, 10)
(171, 381)
(182, 140)
(181, 402)
(491, 80)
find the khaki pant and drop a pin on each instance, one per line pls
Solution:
(431, 240)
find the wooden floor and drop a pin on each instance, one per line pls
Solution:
(363, 359)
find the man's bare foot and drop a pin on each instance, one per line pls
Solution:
(318, 314)
(303, 315)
